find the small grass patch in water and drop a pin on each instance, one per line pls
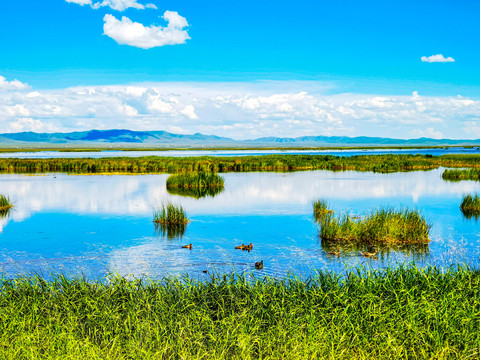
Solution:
(403, 313)
(170, 214)
(384, 226)
(470, 206)
(320, 209)
(5, 203)
(195, 180)
(459, 175)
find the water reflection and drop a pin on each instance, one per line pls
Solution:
(172, 231)
(96, 224)
(195, 192)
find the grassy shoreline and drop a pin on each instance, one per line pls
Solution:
(389, 314)
(165, 164)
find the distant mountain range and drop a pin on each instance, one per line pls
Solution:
(163, 139)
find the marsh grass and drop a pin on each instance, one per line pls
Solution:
(470, 206)
(195, 192)
(384, 226)
(5, 203)
(320, 209)
(389, 314)
(195, 180)
(170, 214)
(459, 175)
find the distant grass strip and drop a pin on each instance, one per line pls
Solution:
(385, 226)
(470, 206)
(320, 209)
(195, 180)
(165, 164)
(5, 203)
(459, 175)
(390, 314)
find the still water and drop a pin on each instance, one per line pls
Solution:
(94, 225)
(183, 153)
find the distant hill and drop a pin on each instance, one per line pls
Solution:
(129, 138)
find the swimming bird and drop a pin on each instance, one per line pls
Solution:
(369, 254)
(248, 247)
(205, 271)
(241, 247)
(335, 253)
(259, 265)
(189, 246)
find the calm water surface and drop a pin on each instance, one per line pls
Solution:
(93, 225)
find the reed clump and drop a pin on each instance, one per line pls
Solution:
(470, 206)
(385, 226)
(195, 184)
(170, 214)
(320, 209)
(398, 313)
(5, 203)
(459, 175)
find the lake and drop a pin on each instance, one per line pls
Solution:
(97, 224)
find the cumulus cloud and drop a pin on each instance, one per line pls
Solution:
(439, 58)
(119, 5)
(12, 85)
(238, 110)
(127, 32)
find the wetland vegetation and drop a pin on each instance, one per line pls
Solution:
(5, 203)
(470, 206)
(195, 184)
(384, 226)
(170, 220)
(399, 313)
(320, 209)
(459, 175)
(160, 164)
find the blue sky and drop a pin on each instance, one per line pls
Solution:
(339, 52)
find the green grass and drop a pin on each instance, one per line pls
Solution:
(166, 164)
(195, 192)
(384, 226)
(170, 220)
(195, 184)
(5, 203)
(320, 209)
(390, 314)
(459, 175)
(470, 206)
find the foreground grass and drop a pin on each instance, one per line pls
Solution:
(390, 314)
(385, 226)
(470, 205)
(160, 164)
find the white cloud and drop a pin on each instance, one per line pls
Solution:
(238, 110)
(12, 85)
(439, 58)
(119, 5)
(126, 32)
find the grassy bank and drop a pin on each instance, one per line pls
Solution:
(391, 314)
(459, 175)
(157, 164)
(383, 226)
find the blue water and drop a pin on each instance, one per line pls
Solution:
(183, 153)
(94, 225)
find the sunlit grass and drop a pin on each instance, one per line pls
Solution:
(320, 209)
(196, 184)
(459, 175)
(389, 314)
(5, 203)
(170, 214)
(470, 205)
(385, 226)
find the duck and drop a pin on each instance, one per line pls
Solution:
(259, 265)
(189, 246)
(248, 247)
(369, 254)
(241, 247)
(205, 271)
(334, 253)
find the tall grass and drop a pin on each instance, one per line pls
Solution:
(390, 314)
(170, 214)
(5, 203)
(195, 180)
(195, 192)
(470, 206)
(385, 226)
(320, 209)
(165, 164)
(459, 175)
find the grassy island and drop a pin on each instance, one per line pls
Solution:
(195, 184)
(385, 226)
(459, 175)
(170, 220)
(389, 314)
(470, 206)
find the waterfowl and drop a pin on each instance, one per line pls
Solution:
(369, 254)
(189, 246)
(205, 271)
(248, 247)
(241, 247)
(259, 265)
(335, 253)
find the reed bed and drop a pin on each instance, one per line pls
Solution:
(5, 203)
(390, 314)
(170, 214)
(320, 209)
(384, 226)
(166, 164)
(470, 206)
(195, 192)
(459, 175)
(195, 180)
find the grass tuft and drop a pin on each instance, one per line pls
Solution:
(385, 226)
(470, 206)
(320, 209)
(459, 175)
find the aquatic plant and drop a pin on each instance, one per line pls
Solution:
(459, 175)
(195, 184)
(320, 209)
(5, 203)
(195, 192)
(470, 206)
(381, 226)
(400, 313)
(170, 214)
